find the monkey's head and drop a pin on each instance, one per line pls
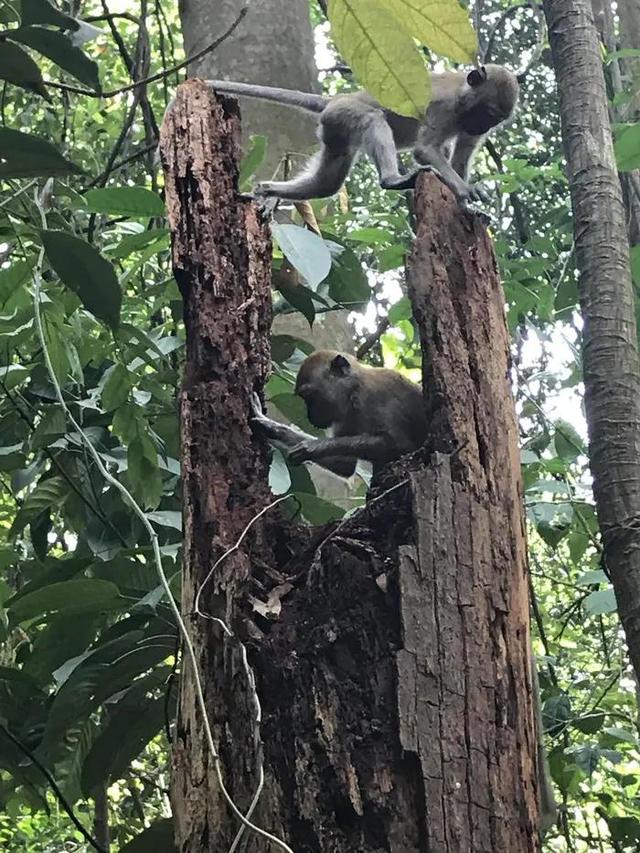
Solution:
(489, 97)
(326, 382)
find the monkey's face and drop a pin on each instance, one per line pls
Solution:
(490, 98)
(324, 382)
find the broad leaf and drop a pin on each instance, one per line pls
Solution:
(59, 49)
(25, 156)
(43, 12)
(16, 66)
(382, 54)
(73, 596)
(442, 25)
(307, 252)
(601, 601)
(627, 148)
(125, 201)
(83, 269)
(15, 275)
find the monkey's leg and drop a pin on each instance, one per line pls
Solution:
(374, 448)
(379, 144)
(324, 175)
(428, 150)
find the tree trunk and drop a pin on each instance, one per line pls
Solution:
(221, 259)
(611, 370)
(391, 653)
(272, 46)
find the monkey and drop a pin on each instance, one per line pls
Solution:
(464, 108)
(375, 413)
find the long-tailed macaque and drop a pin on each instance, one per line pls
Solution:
(374, 413)
(464, 107)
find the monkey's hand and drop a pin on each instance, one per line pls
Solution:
(302, 452)
(471, 192)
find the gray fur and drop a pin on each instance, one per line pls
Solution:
(463, 110)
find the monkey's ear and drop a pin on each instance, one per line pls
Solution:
(477, 76)
(340, 366)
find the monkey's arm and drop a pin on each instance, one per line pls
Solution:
(375, 448)
(428, 151)
(291, 437)
(466, 146)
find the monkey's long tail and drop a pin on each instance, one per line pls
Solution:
(289, 97)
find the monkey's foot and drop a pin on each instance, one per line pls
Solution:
(486, 218)
(472, 192)
(404, 182)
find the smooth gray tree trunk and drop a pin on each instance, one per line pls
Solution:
(610, 356)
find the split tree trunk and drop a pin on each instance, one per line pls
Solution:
(394, 671)
(610, 355)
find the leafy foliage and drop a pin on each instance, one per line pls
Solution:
(87, 686)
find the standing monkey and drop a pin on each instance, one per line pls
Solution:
(464, 108)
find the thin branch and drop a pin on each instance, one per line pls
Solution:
(54, 787)
(372, 339)
(160, 75)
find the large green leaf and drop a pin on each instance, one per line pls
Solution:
(16, 66)
(442, 25)
(12, 277)
(382, 53)
(83, 269)
(25, 156)
(50, 492)
(57, 47)
(627, 148)
(307, 252)
(125, 201)
(72, 596)
(43, 12)
(132, 723)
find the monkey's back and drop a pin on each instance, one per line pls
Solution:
(388, 404)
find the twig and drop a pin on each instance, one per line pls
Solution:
(372, 339)
(160, 75)
(54, 787)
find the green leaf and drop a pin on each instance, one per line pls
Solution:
(589, 578)
(252, 160)
(42, 12)
(627, 148)
(59, 49)
(402, 310)
(116, 388)
(590, 723)
(16, 66)
(601, 601)
(305, 251)
(143, 471)
(131, 724)
(51, 492)
(166, 518)
(125, 201)
(13, 375)
(73, 596)
(83, 269)
(279, 477)
(12, 277)
(635, 265)
(382, 54)
(52, 424)
(159, 836)
(135, 242)
(556, 713)
(347, 280)
(567, 441)
(318, 510)
(442, 25)
(300, 298)
(25, 156)
(284, 346)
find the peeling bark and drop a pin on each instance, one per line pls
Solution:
(610, 355)
(393, 674)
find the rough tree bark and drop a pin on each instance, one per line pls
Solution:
(390, 652)
(222, 259)
(610, 356)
